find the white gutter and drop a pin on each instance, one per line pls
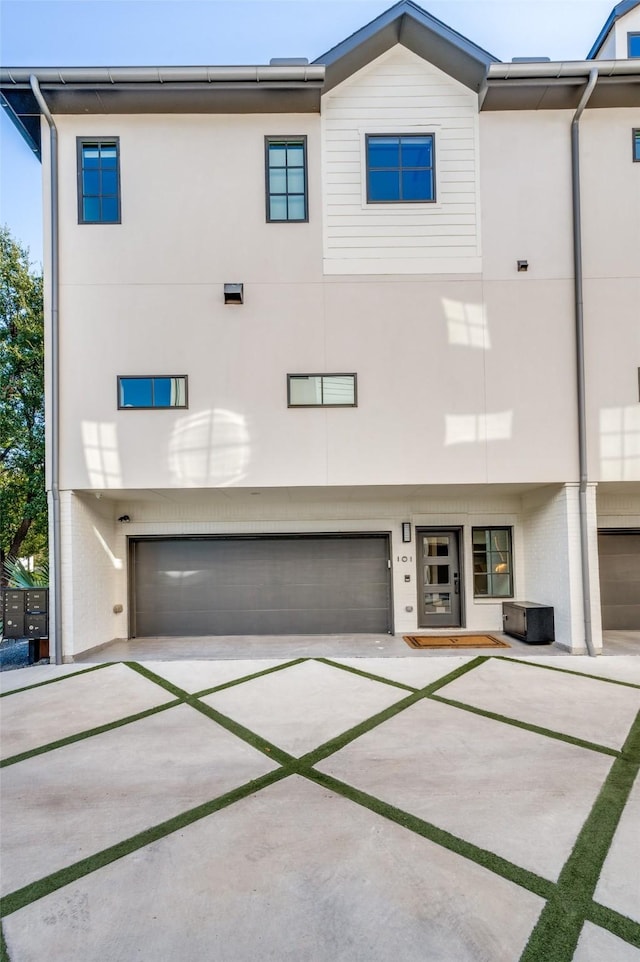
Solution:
(116, 75)
(54, 420)
(580, 366)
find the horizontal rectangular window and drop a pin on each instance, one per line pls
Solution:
(321, 390)
(633, 45)
(400, 168)
(98, 181)
(492, 563)
(286, 172)
(152, 392)
(636, 144)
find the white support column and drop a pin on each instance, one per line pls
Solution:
(553, 562)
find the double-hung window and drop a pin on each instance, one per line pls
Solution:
(286, 172)
(152, 392)
(321, 390)
(400, 168)
(492, 563)
(99, 181)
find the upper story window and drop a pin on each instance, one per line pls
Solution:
(633, 45)
(321, 390)
(400, 168)
(152, 392)
(286, 171)
(98, 181)
(636, 144)
(492, 563)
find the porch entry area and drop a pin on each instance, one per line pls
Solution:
(438, 556)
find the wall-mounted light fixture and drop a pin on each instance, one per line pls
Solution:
(523, 266)
(124, 518)
(406, 531)
(234, 293)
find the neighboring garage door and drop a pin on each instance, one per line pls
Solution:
(260, 586)
(619, 555)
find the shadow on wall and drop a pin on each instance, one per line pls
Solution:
(620, 443)
(210, 448)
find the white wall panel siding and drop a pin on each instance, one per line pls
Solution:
(400, 93)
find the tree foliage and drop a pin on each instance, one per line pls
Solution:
(23, 500)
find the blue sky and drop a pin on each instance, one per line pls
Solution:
(38, 33)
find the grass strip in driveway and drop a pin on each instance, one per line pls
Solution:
(235, 728)
(526, 726)
(557, 931)
(87, 733)
(54, 681)
(616, 923)
(568, 671)
(4, 951)
(250, 677)
(453, 843)
(367, 674)
(335, 744)
(56, 880)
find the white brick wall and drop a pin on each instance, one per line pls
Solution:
(93, 573)
(553, 565)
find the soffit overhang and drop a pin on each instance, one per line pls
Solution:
(559, 86)
(165, 90)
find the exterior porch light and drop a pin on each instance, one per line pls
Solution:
(234, 293)
(406, 531)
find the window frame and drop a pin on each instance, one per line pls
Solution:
(488, 574)
(635, 145)
(413, 135)
(298, 140)
(322, 376)
(152, 378)
(82, 142)
(632, 35)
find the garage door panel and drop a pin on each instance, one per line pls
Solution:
(619, 556)
(262, 586)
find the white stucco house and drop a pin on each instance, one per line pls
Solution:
(343, 346)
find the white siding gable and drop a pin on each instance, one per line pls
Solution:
(401, 93)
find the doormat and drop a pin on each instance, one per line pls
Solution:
(454, 641)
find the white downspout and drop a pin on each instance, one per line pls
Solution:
(54, 419)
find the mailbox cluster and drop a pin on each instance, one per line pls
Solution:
(25, 613)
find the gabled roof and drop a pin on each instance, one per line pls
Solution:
(618, 11)
(414, 28)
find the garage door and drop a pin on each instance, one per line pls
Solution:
(260, 586)
(619, 555)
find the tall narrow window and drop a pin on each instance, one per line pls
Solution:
(286, 170)
(152, 392)
(400, 169)
(492, 563)
(636, 145)
(98, 181)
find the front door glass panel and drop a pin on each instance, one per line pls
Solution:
(439, 573)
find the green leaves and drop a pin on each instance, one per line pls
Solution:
(23, 500)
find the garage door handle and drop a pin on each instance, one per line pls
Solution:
(456, 583)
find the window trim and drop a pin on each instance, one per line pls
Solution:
(285, 139)
(631, 35)
(491, 597)
(323, 375)
(80, 143)
(635, 145)
(153, 407)
(433, 168)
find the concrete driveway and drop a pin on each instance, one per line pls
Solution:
(454, 809)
